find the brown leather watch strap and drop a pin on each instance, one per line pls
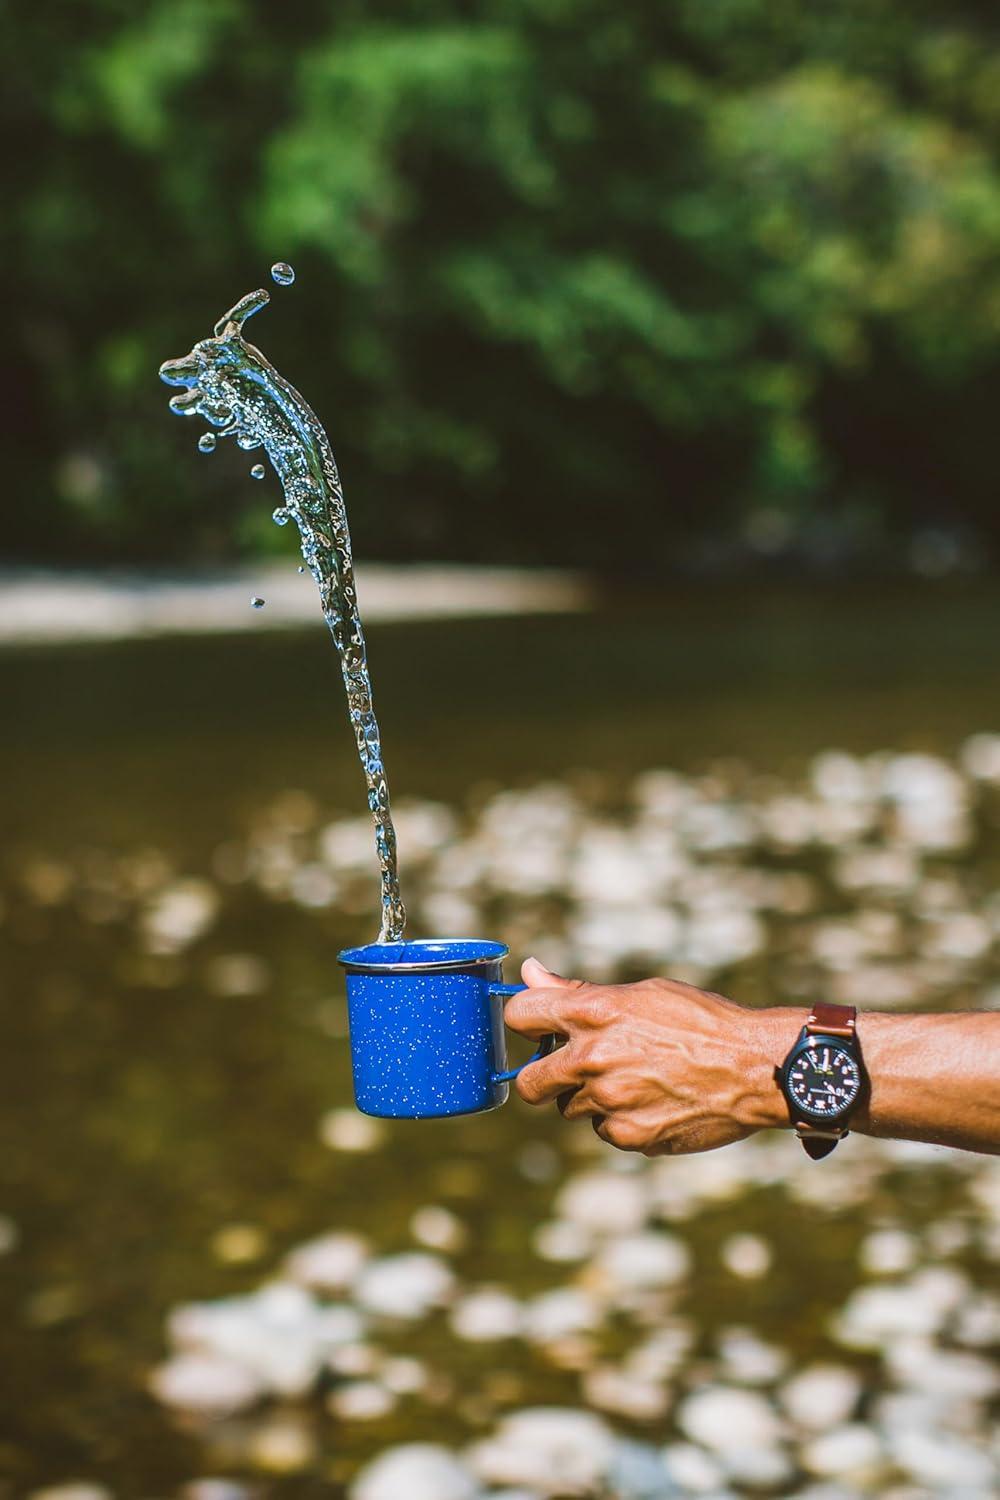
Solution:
(832, 1020)
(826, 1020)
(817, 1142)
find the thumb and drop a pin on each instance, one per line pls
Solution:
(537, 976)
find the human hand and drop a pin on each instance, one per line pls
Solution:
(659, 1066)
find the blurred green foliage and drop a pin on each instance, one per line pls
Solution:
(577, 282)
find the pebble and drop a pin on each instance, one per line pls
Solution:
(72, 1490)
(638, 1472)
(853, 1450)
(643, 1261)
(206, 1385)
(415, 1471)
(279, 1336)
(438, 1228)
(938, 1460)
(821, 1396)
(746, 1255)
(746, 1358)
(694, 1470)
(562, 1241)
(330, 1263)
(635, 1397)
(349, 1130)
(723, 1417)
(757, 1466)
(550, 1450)
(888, 1252)
(561, 1312)
(281, 1445)
(874, 1315)
(950, 1376)
(214, 1488)
(487, 1314)
(605, 1203)
(178, 915)
(238, 1244)
(404, 1376)
(360, 1401)
(353, 1360)
(406, 1286)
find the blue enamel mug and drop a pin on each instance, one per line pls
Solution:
(427, 1032)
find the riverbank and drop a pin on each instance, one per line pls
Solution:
(39, 607)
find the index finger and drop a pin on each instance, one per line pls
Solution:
(534, 1012)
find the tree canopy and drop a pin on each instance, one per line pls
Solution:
(576, 282)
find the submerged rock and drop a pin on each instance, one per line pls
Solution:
(643, 1261)
(559, 1314)
(943, 1462)
(330, 1263)
(487, 1314)
(549, 1450)
(415, 1471)
(206, 1385)
(725, 1418)
(279, 1336)
(606, 1203)
(361, 1401)
(404, 1286)
(438, 1229)
(851, 1450)
(72, 1490)
(821, 1396)
(746, 1255)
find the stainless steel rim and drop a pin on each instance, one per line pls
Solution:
(436, 966)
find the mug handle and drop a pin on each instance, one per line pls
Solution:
(546, 1045)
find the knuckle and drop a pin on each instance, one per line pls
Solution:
(593, 1005)
(514, 1012)
(602, 1096)
(603, 1054)
(624, 1134)
(528, 1087)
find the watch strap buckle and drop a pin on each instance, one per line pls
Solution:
(817, 1142)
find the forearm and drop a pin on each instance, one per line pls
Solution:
(933, 1077)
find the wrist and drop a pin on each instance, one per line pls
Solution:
(767, 1037)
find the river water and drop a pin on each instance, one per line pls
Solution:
(175, 1064)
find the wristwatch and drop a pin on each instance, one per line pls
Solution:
(823, 1077)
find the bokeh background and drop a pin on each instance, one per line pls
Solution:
(731, 269)
(701, 302)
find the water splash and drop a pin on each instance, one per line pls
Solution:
(282, 273)
(231, 384)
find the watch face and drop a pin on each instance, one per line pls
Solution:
(823, 1079)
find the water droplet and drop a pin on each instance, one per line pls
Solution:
(282, 273)
(258, 471)
(281, 516)
(302, 569)
(257, 602)
(184, 404)
(206, 443)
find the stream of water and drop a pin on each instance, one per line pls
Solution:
(233, 387)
